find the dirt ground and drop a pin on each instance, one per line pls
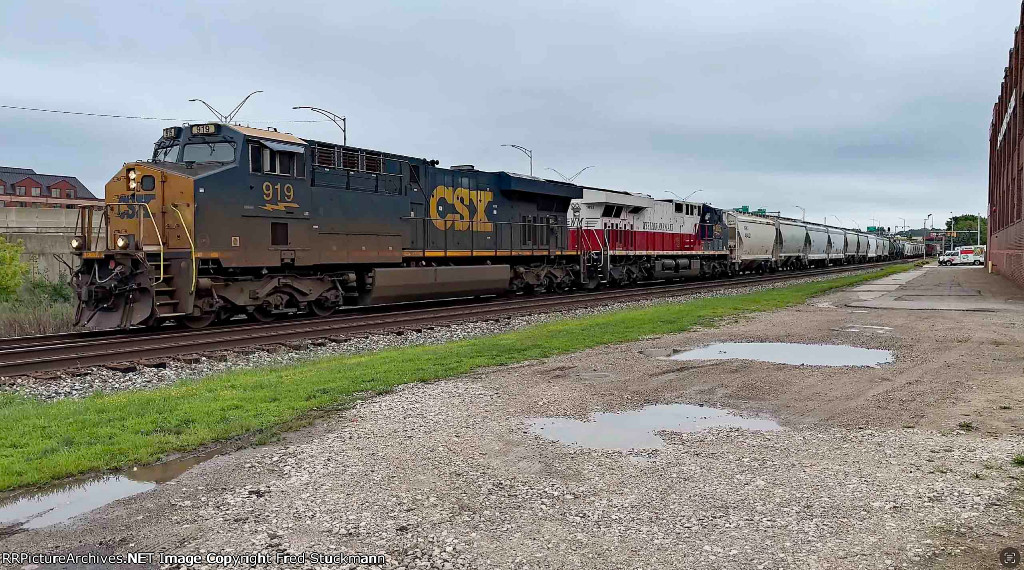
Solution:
(904, 465)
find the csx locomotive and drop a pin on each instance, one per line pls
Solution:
(225, 220)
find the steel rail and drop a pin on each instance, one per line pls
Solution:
(57, 352)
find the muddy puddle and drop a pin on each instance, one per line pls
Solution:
(788, 353)
(56, 503)
(636, 429)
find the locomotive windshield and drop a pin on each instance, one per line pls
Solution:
(166, 154)
(209, 152)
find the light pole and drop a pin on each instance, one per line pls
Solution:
(803, 213)
(334, 117)
(525, 151)
(569, 178)
(904, 224)
(924, 238)
(856, 226)
(834, 216)
(692, 193)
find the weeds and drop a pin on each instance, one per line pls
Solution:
(1018, 460)
(966, 426)
(40, 307)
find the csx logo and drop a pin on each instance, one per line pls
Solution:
(129, 213)
(460, 199)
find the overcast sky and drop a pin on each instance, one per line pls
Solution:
(861, 110)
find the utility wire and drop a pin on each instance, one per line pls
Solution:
(141, 118)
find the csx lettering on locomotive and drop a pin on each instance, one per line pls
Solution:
(460, 199)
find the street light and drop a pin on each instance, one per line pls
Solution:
(834, 216)
(334, 117)
(570, 178)
(525, 151)
(692, 193)
(803, 213)
(924, 240)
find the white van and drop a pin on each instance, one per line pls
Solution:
(948, 258)
(970, 255)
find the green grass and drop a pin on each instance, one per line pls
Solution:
(1018, 460)
(42, 441)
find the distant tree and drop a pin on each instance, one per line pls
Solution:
(12, 269)
(967, 223)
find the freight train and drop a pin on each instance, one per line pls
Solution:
(225, 220)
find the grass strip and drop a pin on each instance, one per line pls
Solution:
(43, 441)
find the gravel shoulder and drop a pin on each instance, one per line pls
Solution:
(873, 470)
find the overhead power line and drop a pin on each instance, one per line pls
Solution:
(142, 118)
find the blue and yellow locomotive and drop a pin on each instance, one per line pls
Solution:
(226, 220)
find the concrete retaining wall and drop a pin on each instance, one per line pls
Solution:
(38, 221)
(44, 253)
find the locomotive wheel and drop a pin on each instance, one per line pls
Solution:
(262, 315)
(199, 322)
(321, 309)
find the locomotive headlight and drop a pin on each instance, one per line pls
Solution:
(77, 243)
(131, 174)
(132, 184)
(121, 242)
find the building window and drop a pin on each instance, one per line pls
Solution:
(55, 192)
(19, 190)
(2, 188)
(70, 195)
(36, 191)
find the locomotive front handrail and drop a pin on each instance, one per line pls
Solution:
(191, 245)
(159, 238)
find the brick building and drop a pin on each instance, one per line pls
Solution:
(26, 188)
(1005, 202)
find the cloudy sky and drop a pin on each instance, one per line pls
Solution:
(860, 110)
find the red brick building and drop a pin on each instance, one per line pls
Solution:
(26, 188)
(1005, 200)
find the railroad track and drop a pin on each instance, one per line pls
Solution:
(45, 353)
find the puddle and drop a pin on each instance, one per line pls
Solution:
(864, 328)
(59, 502)
(635, 429)
(789, 353)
